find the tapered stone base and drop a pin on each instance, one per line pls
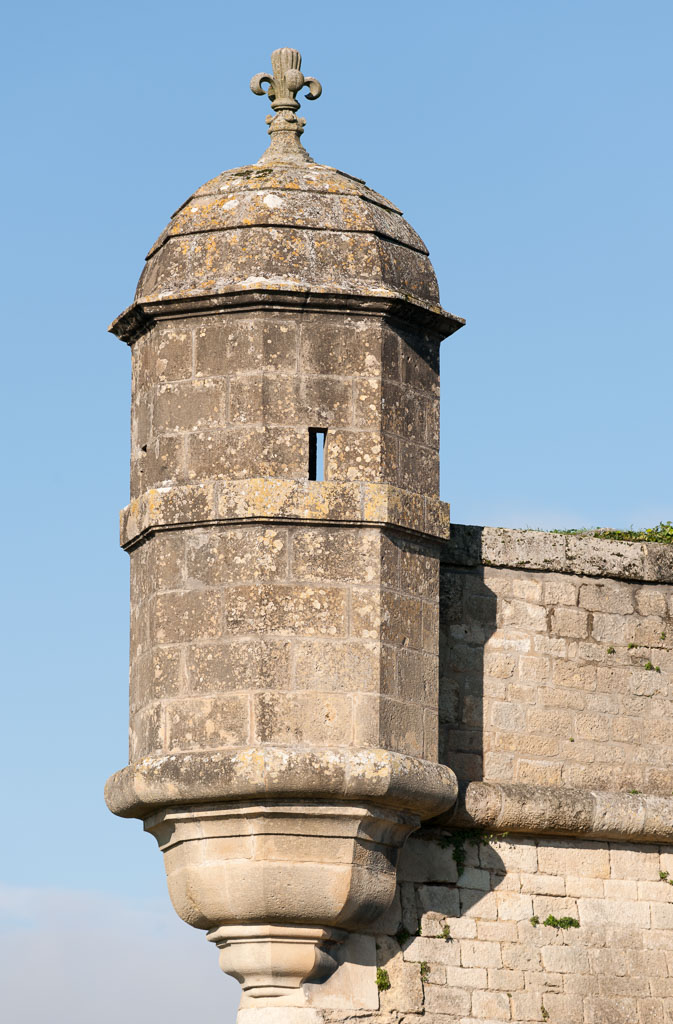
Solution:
(278, 885)
(271, 962)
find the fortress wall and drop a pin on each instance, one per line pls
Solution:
(615, 967)
(557, 660)
(545, 697)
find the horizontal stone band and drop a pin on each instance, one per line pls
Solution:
(269, 499)
(376, 775)
(278, 295)
(553, 810)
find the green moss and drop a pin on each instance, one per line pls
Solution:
(382, 979)
(425, 970)
(561, 922)
(660, 534)
(458, 842)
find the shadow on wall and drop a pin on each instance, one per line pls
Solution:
(446, 882)
(467, 619)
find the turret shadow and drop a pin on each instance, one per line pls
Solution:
(446, 873)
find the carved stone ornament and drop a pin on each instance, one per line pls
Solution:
(285, 128)
(278, 884)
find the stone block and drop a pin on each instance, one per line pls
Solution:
(146, 733)
(161, 465)
(528, 1006)
(359, 455)
(177, 616)
(543, 885)
(563, 1009)
(607, 596)
(243, 452)
(433, 950)
(381, 721)
(207, 723)
(367, 404)
(401, 620)
(522, 613)
(338, 554)
(344, 346)
(419, 570)
(626, 913)
(490, 1006)
(245, 664)
(534, 669)
(513, 907)
(480, 954)
(478, 904)
(577, 858)
(466, 977)
(570, 622)
(651, 1011)
(165, 353)
(244, 344)
(402, 412)
(565, 960)
(189, 405)
(651, 600)
(350, 666)
(505, 980)
(634, 862)
(418, 467)
(444, 1001)
(438, 899)
(558, 590)
(497, 931)
(320, 718)
(406, 988)
(157, 675)
(287, 609)
(237, 555)
(612, 629)
(570, 674)
(601, 1009)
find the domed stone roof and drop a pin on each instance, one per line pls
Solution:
(286, 227)
(305, 227)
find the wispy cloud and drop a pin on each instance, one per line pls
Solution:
(73, 957)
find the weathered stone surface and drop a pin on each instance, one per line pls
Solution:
(554, 679)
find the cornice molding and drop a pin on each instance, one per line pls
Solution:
(268, 499)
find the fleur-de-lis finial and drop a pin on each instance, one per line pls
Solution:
(285, 128)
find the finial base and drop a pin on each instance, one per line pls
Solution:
(285, 147)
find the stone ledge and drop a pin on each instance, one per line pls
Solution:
(267, 499)
(380, 776)
(558, 552)
(593, 814)
(278, 295)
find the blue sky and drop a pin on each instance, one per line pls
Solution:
(528, 141)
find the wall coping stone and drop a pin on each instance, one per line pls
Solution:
(557, 552)
(571, 811)
(380, 776)
(269, 499)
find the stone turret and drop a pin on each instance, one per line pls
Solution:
(284, 533)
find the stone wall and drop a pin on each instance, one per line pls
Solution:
(557, 661)
(474, 949)
(286, 635)
(213, 404)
